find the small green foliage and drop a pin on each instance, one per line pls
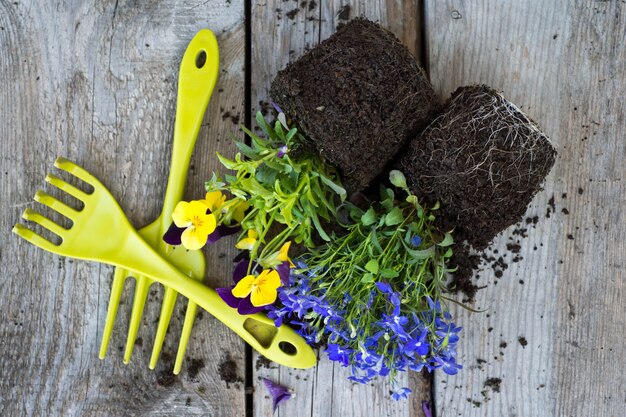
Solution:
(395, 242)
(297, 192)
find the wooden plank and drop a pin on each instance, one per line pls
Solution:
(96, 82)
(282, 32)
(554, 329)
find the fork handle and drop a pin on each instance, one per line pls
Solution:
(196, 80)
(279, 344)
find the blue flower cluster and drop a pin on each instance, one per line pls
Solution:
(380, 341)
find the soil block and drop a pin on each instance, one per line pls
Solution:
(359, 96)
(483, 160)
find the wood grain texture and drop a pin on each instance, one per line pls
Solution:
(554, 326)
(96, 82)
(282, 32)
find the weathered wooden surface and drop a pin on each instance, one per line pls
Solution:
(282, 32)
(96, 82)
(563, 63)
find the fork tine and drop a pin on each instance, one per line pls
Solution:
(190, 316)
(40, 219)
(67, 187)
(141, 293)
(56, 205)
(77, 171)
(114, 302)
(167, 307)
(34, 238)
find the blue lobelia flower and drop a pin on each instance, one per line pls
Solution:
(400, 393)
(416, 240)
(339, 353)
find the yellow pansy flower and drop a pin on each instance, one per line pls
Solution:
(248, 243)
(214, 200)
(262, 289)
(198, 225)
(280, 256)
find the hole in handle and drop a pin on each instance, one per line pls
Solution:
(201, 59)
(287, 348)
(263, 333)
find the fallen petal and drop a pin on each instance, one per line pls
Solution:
(278, 392)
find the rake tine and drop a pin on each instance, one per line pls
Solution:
(68, 188)
(70, 167)
(169, 301)
(116, 293)
(40, 219)
(190, 316)
(141, 293)
(56, 205)
(34, 238)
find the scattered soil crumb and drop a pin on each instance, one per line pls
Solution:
(195, 366)
(228, 371)
(493, 383)
(188, 402)
(522, 341)
(262, 362)
(513, 247)
(166, 378)
(312, 5)
(565, 211)
(570, 236)
(139, 342)
(580, 190)
(503, 344)
(292, 14)
(474, 403)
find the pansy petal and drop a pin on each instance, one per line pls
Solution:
(283, 254)
(227, 230)
(264, 291)
(173, 235)
(278, 392)
(206, 224)
(227, 295)
(181, 214)
(283, 273)
(214, 237)
(214, 200)
(193, 240)
(241, 270)
(244, 286)
(246, 307)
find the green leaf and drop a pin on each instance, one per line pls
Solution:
(246, 150)
(336, 188)
(447, 241)
(372, 266)
(389, 273)
(320, 229)
(369, 218)
(397, 178)
(367, 278)
(394, 217)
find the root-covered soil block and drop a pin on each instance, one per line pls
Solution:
(482, 159)
(359, 95)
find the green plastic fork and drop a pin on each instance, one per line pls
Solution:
(101, 232)
(196, 80)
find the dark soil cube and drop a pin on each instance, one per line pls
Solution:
(483, 159)
(359, 95)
